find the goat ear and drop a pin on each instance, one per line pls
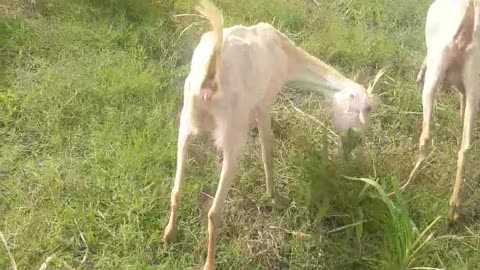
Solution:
(377, 77)
(347, 107)
(355, 77)
(362, 118)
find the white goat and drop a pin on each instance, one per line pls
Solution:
(452, 53)
(235, 75)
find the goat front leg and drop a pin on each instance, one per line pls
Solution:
(184, 137)
(462, 105)
(434, 77)
(266, 141)
(232, 148)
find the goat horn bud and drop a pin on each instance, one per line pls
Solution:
(377, 77)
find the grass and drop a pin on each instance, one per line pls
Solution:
(90, 94)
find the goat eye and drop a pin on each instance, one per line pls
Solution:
(368, 109)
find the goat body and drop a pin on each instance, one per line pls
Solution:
(453, 55)
(235, 75)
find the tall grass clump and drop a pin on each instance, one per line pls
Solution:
(403, 240)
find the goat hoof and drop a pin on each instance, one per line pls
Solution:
(170, 235)
(209, 266)
(454, 215)
(280, 201)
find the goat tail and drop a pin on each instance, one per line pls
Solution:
(215, 17)
(476, 25)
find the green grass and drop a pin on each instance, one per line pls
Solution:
(90, 94)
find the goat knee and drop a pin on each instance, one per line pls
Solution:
(462, 156)
(421, 74)
(423, 145)
(215, 216)
(174, 200)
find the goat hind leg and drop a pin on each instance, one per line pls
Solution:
(232, 150)
(434, 78)
(462, 98)
(469, 121)
(184, 137)
(421, 72)
(472, 82)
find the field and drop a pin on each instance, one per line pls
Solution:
(90, 95)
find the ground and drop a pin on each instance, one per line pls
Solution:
(90, 95)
